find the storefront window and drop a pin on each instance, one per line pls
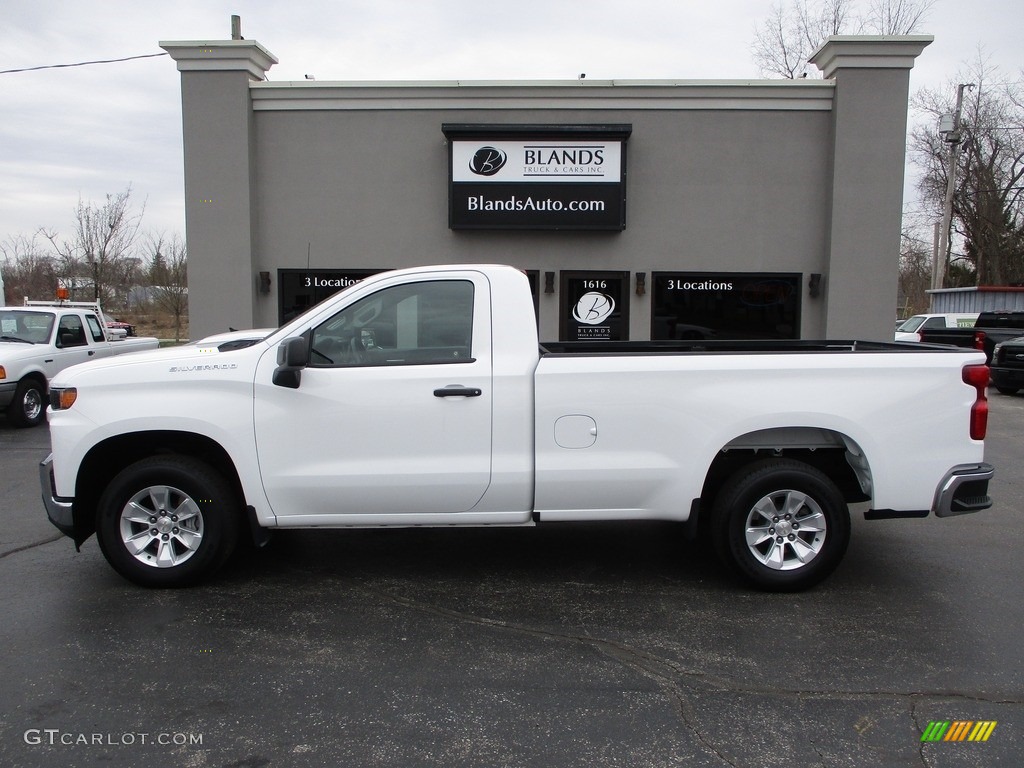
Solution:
(726, 305)
(300, 289)
(533, 275)
(594, 306)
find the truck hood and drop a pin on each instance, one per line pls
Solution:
(17, 350)
(162, 364)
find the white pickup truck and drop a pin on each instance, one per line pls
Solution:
(41, 339)
(422, 398)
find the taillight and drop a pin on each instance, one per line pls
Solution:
(977, 377)
(979, 340)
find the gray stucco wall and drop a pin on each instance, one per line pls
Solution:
(698, 198)
(769, 176)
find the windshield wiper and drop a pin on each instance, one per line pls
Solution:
(15, 338)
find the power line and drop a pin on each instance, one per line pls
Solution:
(81, 63)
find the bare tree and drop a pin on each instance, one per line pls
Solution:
(896, 17)
(102, 244)
(988, 201)
(915, 275)
(168, 278)
(787, 38)
(29, 272)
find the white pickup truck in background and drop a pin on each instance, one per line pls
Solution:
(422, 398)
(39, 340)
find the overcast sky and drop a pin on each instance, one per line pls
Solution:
(83, 132)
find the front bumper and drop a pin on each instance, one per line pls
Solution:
(59, 509)
(7, 390)
(964, 489)
(1008, 378)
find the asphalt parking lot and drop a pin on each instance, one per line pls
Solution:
(603, 645)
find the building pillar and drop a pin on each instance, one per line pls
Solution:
(217, 119)
(869, 122)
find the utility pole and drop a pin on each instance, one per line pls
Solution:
(951, 135)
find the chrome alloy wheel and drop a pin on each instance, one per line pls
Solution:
(32, 404)
(785, 530)
(161, 526)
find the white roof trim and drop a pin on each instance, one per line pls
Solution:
(759, 95)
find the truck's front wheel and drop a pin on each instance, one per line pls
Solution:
(782, 524)
(167, 521)
(28, 408)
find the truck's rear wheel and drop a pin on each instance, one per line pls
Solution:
(167, 521)
(28, 408)
(781, 524)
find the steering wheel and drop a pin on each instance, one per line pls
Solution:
(356, 351)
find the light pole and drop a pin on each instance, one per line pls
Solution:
(951, 135)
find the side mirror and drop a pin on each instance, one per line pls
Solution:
(292, 357)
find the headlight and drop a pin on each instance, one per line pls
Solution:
(62, 398)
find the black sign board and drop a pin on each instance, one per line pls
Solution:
(537, 177)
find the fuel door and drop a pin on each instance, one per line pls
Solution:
(575, 431)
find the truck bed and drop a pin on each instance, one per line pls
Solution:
(744, 346)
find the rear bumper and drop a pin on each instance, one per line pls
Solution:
(964, 489)
(58, 509)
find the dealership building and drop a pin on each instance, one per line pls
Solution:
(660, 209)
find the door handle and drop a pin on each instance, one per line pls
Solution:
(457, 391)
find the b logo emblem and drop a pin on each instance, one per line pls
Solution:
(593, 308)
(487, 161)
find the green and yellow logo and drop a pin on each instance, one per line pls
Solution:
(958, 730)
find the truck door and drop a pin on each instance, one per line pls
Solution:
(72, 347)
(392, 414)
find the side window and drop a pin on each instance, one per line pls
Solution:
(94, 327)
(413, 324)
(70, 332)
(935, 322)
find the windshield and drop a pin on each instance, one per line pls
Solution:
(911, 324)
(22, 325)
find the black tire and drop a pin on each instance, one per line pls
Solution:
(789, 551)
(172, 550)
(1008, 390)
(28, 408)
